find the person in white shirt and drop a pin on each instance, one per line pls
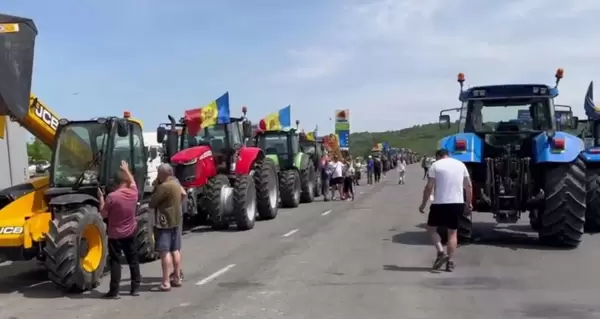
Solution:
(450, 180)
(401, 170)
(337, 177)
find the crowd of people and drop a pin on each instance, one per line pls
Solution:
(339, 175)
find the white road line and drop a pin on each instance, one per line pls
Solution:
(290, 233)
(215, 275)
(326, 213)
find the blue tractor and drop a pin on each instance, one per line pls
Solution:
(518, 161)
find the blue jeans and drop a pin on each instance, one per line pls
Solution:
(167, 239)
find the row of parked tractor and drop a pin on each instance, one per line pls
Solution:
(236, 175)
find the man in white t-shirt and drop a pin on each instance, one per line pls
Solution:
(450, 180)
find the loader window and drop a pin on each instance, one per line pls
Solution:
(75, 149)
(529, 114)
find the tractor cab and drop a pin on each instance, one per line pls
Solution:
(281, 146)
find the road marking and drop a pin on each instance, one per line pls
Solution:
(362, 193)
(290, 233)
(326, 213)
(215, 275)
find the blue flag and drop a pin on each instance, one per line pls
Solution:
(588, 105)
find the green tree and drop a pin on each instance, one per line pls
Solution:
(38, 151)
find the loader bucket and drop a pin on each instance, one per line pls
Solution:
(17, 41)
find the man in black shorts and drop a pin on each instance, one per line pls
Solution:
(448, 178)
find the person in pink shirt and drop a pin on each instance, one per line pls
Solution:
(119, 208)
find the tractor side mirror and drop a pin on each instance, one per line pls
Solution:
(444, 121)
(161, 132)
(122, 128)
(247, 129)
(574, 123)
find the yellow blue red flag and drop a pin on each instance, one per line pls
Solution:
(277, 121)
(216, 112)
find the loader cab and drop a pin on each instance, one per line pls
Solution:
(101, 146)
(283, 145)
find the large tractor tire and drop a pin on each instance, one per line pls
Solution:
(563, 209)
(289, 188)
(592, 214)
(215, 191)
(244, 202)
(318, 184)
(307, 183)
(76, 249)
(145, 235)
(267, 188)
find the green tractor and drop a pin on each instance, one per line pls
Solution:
(297, 174)
(316, 151)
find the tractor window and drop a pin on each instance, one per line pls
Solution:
(76, 146)
(236, 133)
(215, 136)
(122, 151)
(295, 143)
(273, 144)
(508, 115)
(139, 154)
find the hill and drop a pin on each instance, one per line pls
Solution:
(420, 138)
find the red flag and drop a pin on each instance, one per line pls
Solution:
(193, 119)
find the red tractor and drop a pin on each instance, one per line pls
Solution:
(232, 183)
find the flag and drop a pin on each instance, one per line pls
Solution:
(216, 112)
(310, 136)
(2, 126)
(592, 111)
(277, 121)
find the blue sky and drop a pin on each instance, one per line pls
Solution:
(392, 63)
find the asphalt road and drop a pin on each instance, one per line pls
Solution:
(355, 260)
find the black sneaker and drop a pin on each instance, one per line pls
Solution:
(111, 295)
(441, 259)
(450, 266)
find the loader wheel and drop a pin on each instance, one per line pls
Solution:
(145, 236)
(267, 190)
(215, 195)
(563, 209)
(244, 202)
(76, 247)
(289, 188)
(592, 214)
(307, 182)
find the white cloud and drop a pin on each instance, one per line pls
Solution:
(408, 52)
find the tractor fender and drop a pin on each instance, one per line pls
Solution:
(275, 159)
(543, 153)
(474, 150)
(301, 161)
(75, 198)
(246, 158)
(591, 155)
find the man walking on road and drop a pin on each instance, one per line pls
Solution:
(450, 180)
(119, 209)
